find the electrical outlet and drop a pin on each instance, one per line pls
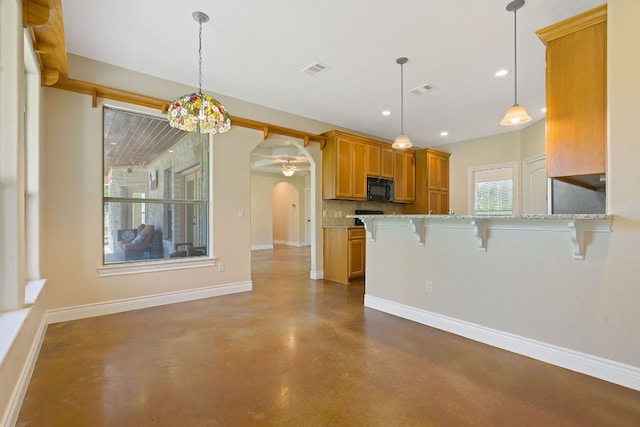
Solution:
(220, 266)
(429, 286)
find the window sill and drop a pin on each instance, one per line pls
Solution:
(12, 321)
(154, 266)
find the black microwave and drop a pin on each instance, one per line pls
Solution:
(379, 189)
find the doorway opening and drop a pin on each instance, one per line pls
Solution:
(283, 205)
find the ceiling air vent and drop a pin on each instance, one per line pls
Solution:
(315, 68)
(424, 88)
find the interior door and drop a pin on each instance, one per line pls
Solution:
(535, 186)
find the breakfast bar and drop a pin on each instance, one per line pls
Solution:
(526, 283)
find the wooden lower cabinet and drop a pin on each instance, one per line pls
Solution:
(344, 253)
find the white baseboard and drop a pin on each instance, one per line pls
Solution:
(12, 411)
(289, 243)
(261, 247)
(317, 274)
(119, 306)
(605, 369)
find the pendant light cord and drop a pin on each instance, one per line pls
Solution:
(402, 98)
(515, 57)
(200, 58)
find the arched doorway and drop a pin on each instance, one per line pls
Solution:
(283, 208)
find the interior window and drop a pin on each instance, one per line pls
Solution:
(494, 190)
(156, 191)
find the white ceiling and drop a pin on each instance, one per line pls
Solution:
(255, 51)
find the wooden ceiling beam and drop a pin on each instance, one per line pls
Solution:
(45, 23)
(97, 91)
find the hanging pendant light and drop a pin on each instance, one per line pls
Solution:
(197, 112)
(402, 140)
(516, 114)
(288, 169)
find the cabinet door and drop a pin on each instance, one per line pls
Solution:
(398, 176)
(358, 173)
(404, 182)
(438, 202)
(356, 258)
(438, 172)
(386, 163)
(410, 178)
(374, 166)
(344, 167)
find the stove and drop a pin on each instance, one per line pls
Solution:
(365, 212)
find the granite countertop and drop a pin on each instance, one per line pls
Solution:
(498, 217)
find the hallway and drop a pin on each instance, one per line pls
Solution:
(298, 352)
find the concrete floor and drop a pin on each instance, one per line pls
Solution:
(298, 352)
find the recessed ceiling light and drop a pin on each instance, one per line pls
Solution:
(114, 143)
(386, 113)
(544, 110)
(502, 73)
(444, 133)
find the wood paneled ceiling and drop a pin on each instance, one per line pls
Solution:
(132, 139)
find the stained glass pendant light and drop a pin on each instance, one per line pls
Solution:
(402, 140)
(198, 112)
(516, 114)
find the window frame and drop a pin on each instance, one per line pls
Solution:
(159, 264)
(515, 178)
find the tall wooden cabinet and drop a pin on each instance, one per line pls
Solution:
(343, 167)
(576, 118)
(403, 176)
(432, 182)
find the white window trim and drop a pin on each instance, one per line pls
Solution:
(165, 264)
(515, 175)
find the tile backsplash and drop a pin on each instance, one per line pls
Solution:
(335, 211)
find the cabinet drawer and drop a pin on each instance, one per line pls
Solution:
(357, 233)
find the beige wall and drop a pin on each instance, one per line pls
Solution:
(74, 208)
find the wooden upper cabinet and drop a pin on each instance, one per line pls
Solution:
(576, 98)
(386, 161)
(343, 167)
(403, 176)
(437, 170)
(358, 174)
(432, 183)
(374, 164)
(379, 160)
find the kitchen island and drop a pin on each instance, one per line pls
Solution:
(530, 284)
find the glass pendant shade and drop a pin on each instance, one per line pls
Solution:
(197, 112)
(516, 115)
(288, 169)
(402, 141)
